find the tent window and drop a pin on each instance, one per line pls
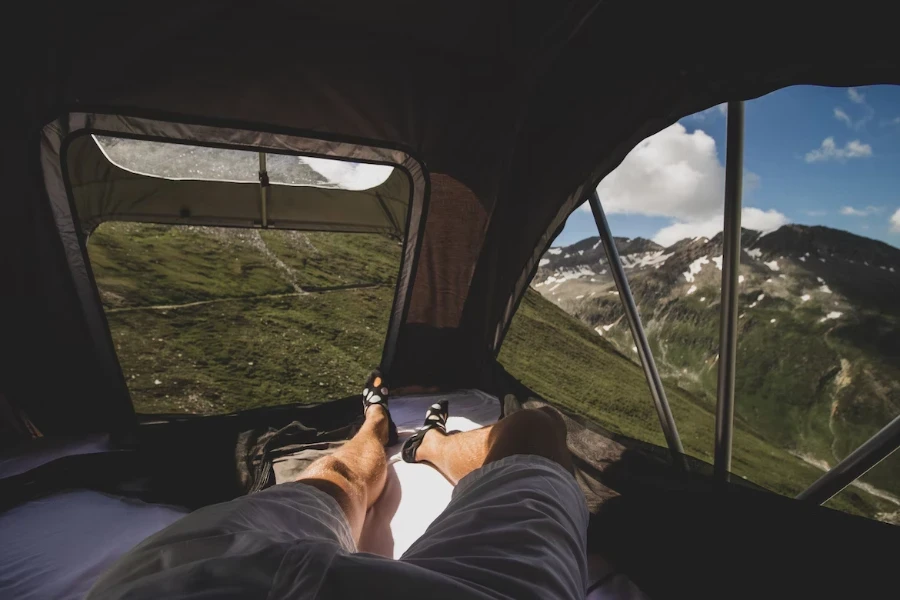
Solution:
(211, 320)
(817, 361)
(183, 161)
(322, 172)
(180, 161)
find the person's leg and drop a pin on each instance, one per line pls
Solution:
(516, 509)
(540, 432)
(355, 474)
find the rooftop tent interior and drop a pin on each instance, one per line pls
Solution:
(468, 102)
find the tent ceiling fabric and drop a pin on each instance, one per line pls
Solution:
(525, 104)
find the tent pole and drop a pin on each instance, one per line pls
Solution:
(263, 189)
(731, 262)
(666, 420)
(855, 465)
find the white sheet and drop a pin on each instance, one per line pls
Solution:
(57, 546)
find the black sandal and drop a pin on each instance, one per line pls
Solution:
(376, 392)
(435, 418)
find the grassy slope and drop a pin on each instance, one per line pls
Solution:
(303, 347)
(560, 358)
(317, 346)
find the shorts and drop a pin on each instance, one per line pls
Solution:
(515, 529)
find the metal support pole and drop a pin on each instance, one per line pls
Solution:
(666, 420)
(855, 465)
(731, 262)
(263, 189)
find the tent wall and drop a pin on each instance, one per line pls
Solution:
(525, 106)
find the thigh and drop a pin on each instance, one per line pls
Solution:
(516, 528)
(235, 549)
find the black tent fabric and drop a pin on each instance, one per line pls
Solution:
(514, 109)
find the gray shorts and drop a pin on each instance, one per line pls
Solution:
(515, 528)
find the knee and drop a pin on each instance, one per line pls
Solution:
(544, 423)
(541, 432)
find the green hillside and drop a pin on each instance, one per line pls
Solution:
(209, 320)
(558, 357)
(818, 331)
(818, 388)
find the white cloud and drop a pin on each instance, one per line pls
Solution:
(840, 115)
(859, 99)
(762, 220)
(712, 111)
(349, 175)
(889, 122)
(751, 218)
(895, 221)
(676, 174)
(831, 151)
(672, 174)
(859, 212)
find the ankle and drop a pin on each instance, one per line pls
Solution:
(377, 418)
(430, 446)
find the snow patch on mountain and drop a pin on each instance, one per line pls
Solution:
(695, 268)
(773, 265)
(646, 259)
(567, 274)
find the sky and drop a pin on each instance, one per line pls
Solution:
(812, 155)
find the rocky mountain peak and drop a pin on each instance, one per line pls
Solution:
(825, 243)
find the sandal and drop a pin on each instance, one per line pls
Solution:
(376, 392)
(435, 418)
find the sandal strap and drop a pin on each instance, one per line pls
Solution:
(435, 418)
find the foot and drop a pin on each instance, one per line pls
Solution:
(435, 418)
(376, 394)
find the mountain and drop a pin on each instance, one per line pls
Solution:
(819, 329)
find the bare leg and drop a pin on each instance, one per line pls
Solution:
(541, 432)
(355, 474)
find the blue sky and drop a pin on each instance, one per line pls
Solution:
(812, 155)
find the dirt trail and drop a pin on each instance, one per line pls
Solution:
(337, 288)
